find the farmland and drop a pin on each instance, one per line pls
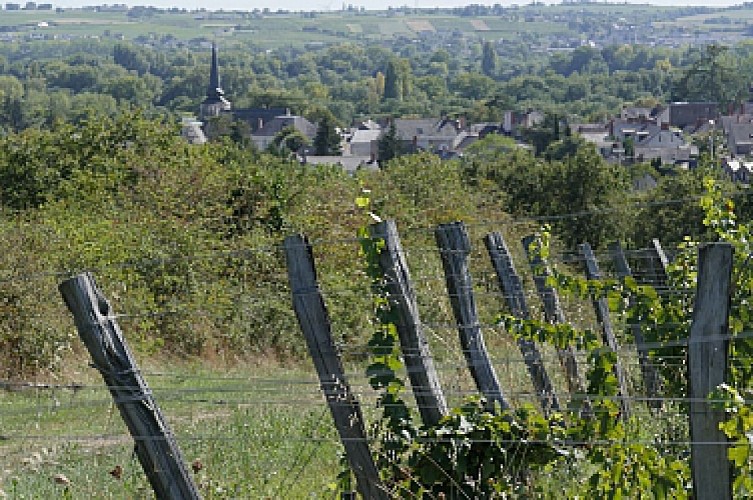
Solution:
(295, 29)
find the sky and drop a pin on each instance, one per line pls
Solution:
(337, 4)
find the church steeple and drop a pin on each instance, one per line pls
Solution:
(215, 101)
(214, 75)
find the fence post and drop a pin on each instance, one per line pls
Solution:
(156, 447)
(650, 376)
(418, 361)
(657, 263)
(601, 306)
(512, 289)
(454, 247)
(553, 313)
(707, 364)
(314, 321)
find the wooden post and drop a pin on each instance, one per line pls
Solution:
(650, 375)
(512, 289)
(657, 264)
(418, 361)
(156, 447)
(315, 324)
(601, 306)
(553, 313)
(707, 364)
(454, 247)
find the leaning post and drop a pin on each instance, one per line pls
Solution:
(554, 315)
(512, 289)
(650, 375)
(601, 307)
(402, 297)
(156, 447)
(454, 248)
(314, 321)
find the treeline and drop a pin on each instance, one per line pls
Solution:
(186, 238)
(45, 82)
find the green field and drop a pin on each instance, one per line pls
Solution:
(297, 29)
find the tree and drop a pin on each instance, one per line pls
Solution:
(489, 60)
(327, 140)
(288, 140)
(389, 144)
(714, 76)
(541, 136)
(130, 58)
(393, 88)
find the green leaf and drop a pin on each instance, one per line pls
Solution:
(739, 452)
(362, 202)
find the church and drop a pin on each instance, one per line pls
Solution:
(264, 123)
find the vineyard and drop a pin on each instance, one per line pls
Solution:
(616, 375)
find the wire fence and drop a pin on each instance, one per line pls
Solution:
(222, 300)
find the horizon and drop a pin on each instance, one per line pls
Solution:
(333, 5)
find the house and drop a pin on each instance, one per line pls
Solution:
(667, 146)
(512, 121)
(484, 128)
(349, 163)
(191, 131)
(263, 137)
(428, 134)
(636, 114)
(683, 114)
(363, 142)
(595, 133)
(740, 138)
(646, 141)
(738, 171)
(620, 130)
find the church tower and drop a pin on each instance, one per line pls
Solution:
(215, 101)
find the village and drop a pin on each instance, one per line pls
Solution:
(669, 137)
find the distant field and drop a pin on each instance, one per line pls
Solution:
(296, 29)
(479, 25)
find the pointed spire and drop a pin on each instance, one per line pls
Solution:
(214, 75)
(215, 101)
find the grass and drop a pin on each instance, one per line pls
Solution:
(255, 436)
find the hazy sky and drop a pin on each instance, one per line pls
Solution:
(336, 4)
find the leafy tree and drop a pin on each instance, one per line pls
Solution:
(714, 76)
(130, 58)
(393, 88)
(489, 60)
(541, 136)
(289, 140)
(585, 183)
(327, 139)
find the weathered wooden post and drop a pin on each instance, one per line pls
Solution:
(416, 353)
(657, 264)
(553, 314)
(512, 289)
(707, 364)
(454, 248)
(650, 375)
(156, 447)
(601, 306)
(313, 318)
